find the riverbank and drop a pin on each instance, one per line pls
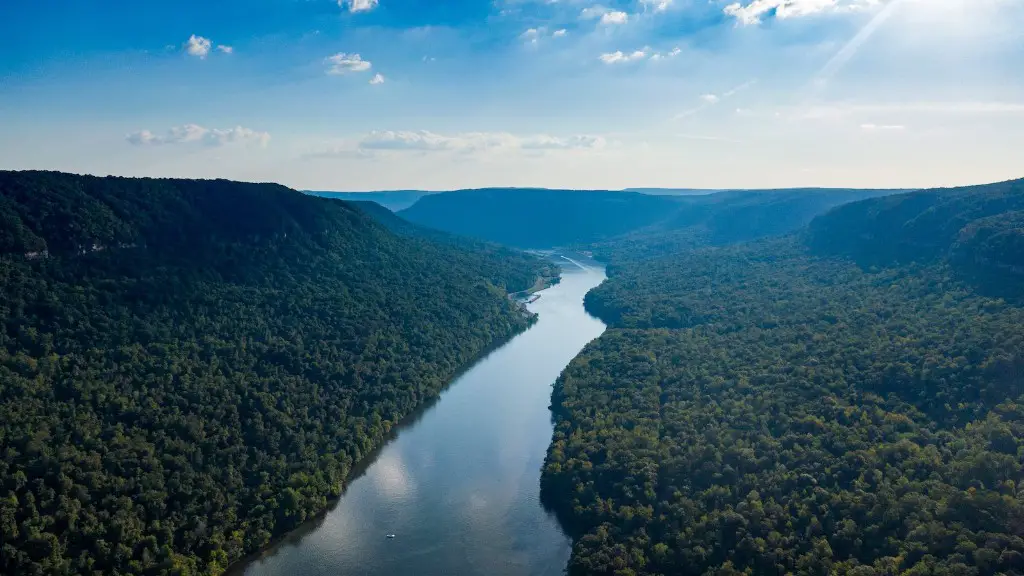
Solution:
(359, 468)
(542, 283)
(459, 482)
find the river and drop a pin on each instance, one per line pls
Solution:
(459, 486)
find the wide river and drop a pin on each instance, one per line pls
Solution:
(459, 486)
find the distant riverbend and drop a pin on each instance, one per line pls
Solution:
(459, 485)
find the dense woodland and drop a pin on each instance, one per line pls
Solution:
(624, 224)
(845, 400)
(190, 368)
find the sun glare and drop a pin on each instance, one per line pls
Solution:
(968, 17)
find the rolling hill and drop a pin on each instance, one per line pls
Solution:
(614, 221)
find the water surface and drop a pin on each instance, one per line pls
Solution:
(459, 487)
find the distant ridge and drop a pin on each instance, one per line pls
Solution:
(541, 218)
(393, 200)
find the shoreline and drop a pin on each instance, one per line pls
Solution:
(540, 284)
(239, 567)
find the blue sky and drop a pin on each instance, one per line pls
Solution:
(561, 93)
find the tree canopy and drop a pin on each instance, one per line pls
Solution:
(846, 400)
(191, 368)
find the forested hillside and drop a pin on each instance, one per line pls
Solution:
(190, 368)
(507, 267)
(728, 217)
(392, 199)
(530, 218)
(978, 227)
(779, 407)
(624, 225)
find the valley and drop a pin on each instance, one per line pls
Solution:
(263, 381)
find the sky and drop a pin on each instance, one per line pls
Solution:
(409, 94)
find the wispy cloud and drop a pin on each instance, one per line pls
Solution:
(194, 133)
(593, 12)
(469, 142)
(377, 79)
(742, 87)
(343, 63)
(620, 57)
(882, 127)
(710, 100)
(198, 46)
(656, 5)
(226, 49)
(531, 35)
(614, 18)
(751, 12)
(535, 35)
(545, 142)
(670, 54)
(358, 5)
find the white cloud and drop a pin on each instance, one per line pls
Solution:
(198, 46)
(359, 5)
(752, 12)
(710, 98)
(377, 79)
(531, 35)
(619, 57)
(882, 127)
(426, 141)
(534, 35)
(611, 18)
(226, 49)
(670, 54)
(555, 143)
(593, 12)
(658, 5)
(193, 133)
(342, 63)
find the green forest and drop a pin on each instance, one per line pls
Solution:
(189, 369)
(843, 400)
(612, 222)
(793, 382)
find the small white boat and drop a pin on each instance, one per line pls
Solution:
(391, 535)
